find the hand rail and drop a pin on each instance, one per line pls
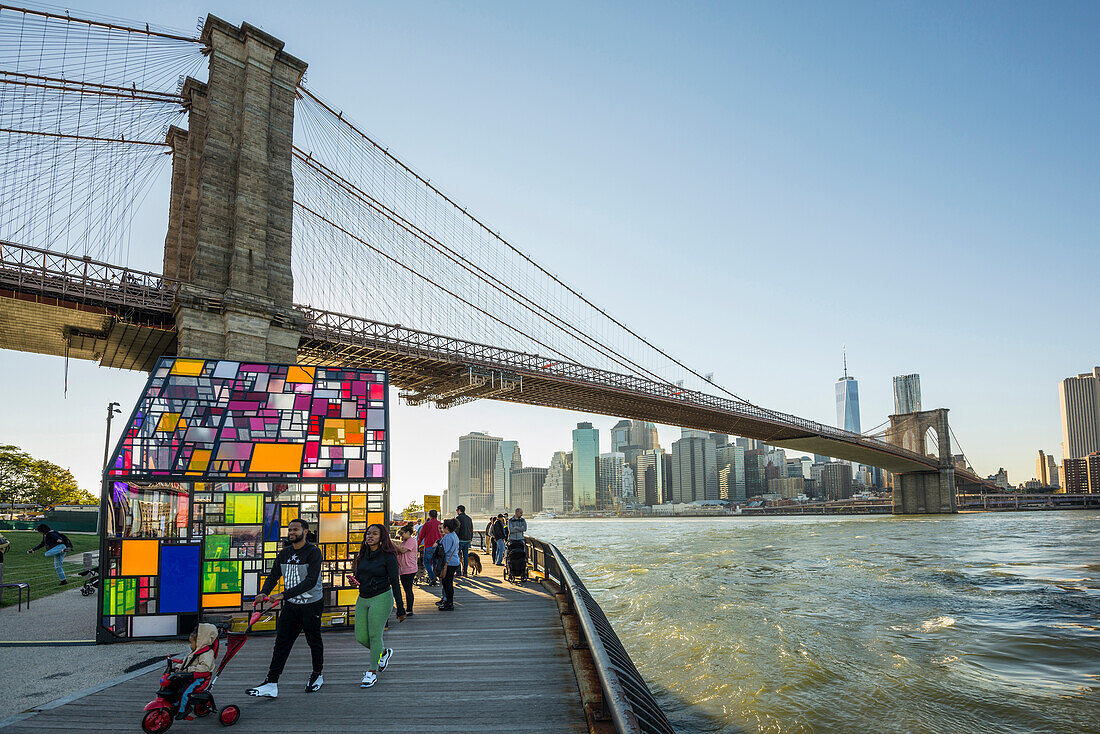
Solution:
(632, 706)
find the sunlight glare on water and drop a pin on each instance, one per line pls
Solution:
(967, 623)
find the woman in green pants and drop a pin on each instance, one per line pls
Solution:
(379, 586)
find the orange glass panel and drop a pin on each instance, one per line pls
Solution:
(189, 367)
(376, 518)
(221, 600)
(199, 460)
(300, 374)
(288, 514)
(140, 558)
(333, 528)
(168, 421)
(276, 457)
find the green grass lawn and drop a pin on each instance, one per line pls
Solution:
(36, 569)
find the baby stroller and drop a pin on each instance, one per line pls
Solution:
(91, 580)
(163, 710)
(515, 562)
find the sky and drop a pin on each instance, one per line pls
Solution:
(752, 186)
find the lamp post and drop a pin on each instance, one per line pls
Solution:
(112, 408)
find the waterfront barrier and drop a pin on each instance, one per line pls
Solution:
(627, 699)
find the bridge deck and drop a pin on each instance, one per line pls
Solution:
(499, 663)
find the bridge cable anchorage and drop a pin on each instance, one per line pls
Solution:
(426, 182)
(535, 308)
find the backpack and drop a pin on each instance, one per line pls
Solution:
(65, 539)
(439, 560)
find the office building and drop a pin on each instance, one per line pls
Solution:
(906, 394)
(1079, 398)
(694, 468)
(526, 486)
(778, 459)
(731, 472)
(507, 461)
(586, 450)
(651, 481)
(836, 481)
(847, 401)
(476, 460)
(720, 439)
(557, 490)
(1000, 479)
(620, 435)
(754, 473)
(628, 484)
(788, 488)
(644, 434)
(609, 479)
(451, 503)
(1082, 475)
(1046, 470)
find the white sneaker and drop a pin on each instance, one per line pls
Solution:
(384, 662)
(316, 680)
(369, 679)
(265, 690)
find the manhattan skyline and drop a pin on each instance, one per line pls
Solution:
(776, 139)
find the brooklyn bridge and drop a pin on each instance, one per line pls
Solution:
(294, 236)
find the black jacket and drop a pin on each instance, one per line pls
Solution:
(52, 539)
(465, 527)
(498, 530)
(376, 572)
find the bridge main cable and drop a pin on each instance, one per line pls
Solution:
(99, 23)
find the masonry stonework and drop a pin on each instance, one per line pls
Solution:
(924, 492)
(230, 215)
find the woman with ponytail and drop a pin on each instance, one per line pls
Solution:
(375, 573)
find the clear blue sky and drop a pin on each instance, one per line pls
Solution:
(750, 185)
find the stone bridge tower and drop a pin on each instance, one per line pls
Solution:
(924, 492)
(229, 222)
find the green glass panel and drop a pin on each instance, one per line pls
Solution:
(244, 508)
(216, 546)
(120, 597)
(221, 576)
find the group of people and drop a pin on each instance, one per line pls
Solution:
(501, 530)
(384, 573)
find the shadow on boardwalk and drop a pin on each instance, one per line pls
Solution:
(499, 663)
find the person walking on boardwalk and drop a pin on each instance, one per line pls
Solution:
(299, 566)
(57, 545)
(375, 573)
(448, 546)
(465, 537)
(498, 533)
(428, 537)
(406, 563)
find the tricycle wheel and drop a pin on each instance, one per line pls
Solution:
(202, 709)
(86, 591)
(229, 715)
(156, 721)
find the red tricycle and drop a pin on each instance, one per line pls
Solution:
(166, 708)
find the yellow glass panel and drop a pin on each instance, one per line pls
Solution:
(221, 600)
(168, 422)
(277, 457)
(288, 514)
(333, 528)
(140, 557)
(189, 367)
(346, 597)
(300, 374)
(244, 508)
(199, 460)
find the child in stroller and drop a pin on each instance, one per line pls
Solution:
(515, 561)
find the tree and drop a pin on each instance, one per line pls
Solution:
(26, 480)
(414, 508)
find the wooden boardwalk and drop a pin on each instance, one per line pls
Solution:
(498, 663)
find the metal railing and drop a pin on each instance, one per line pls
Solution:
(631, 704)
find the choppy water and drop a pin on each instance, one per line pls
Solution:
(969, 623)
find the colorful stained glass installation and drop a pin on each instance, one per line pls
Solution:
(214, 419)
(217, 459)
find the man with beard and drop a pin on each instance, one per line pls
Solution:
(299, 565)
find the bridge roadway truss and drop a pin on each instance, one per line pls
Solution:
(66, 305)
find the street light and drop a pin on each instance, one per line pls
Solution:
(112, 408)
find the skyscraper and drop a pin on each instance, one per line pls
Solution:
(586, 447)
(847, 401)
(906, 394)
(452, 483)
(731, 472)
(507, 461)
(694, 468)
(476, 460)
(628, 484)
(527, 489)
(651, 480)
(1046, 470)
(557, 490)
(609, 479)
(620, 435)
(644, 434)
(1080, 402)
(836, 480)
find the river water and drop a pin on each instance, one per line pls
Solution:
(968, 623)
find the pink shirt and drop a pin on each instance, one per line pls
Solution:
(406, 562)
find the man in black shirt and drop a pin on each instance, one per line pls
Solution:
(299, 565)
(465, 536)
